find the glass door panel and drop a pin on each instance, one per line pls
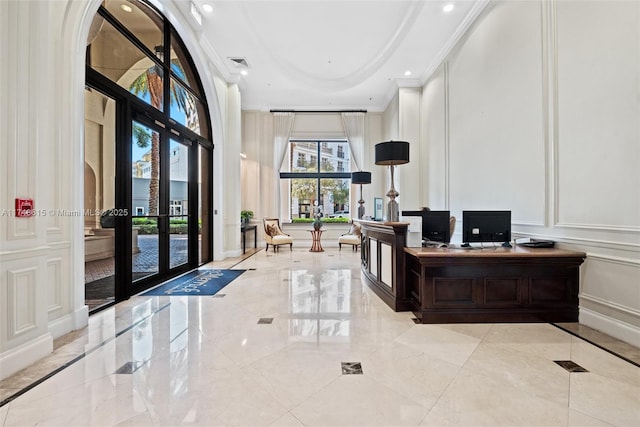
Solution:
(99, 196)
(145, 196)
(178, 204)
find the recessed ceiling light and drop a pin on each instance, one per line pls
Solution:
(407, 73)
(448, 8)
(126, 8)
(207, 7)
(244, 72)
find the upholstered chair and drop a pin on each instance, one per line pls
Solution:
(351, 238)
(274, 235)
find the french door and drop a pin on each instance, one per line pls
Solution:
(164, 207)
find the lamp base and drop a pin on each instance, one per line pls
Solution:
(393, 211)
(361, 211)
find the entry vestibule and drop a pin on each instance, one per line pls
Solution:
(147, 141)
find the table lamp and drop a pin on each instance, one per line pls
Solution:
(361, 177)
(392, 153)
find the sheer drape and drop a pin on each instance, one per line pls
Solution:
(353, 123)
(282, 126)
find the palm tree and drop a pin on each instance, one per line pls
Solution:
(151, 83)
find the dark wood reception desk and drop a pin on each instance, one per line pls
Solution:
(493, 285)
(383, 261)
(456, 285)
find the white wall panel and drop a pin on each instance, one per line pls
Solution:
(19, 137)
(410, 177)
(21, 298)
(435, 140)
(606, 278)
(598, 146)
(550, 91)
(497, 143)
(386, 264)
(55, 288)
(373, 257)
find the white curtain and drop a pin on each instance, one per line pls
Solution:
(353, 123)
(282, 126)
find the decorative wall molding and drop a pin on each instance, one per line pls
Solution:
(54, 287)
(585, 243)
(21, 299)
(527, 223)
(598, 227)
(610, 304)
(630, 262)
(24, 253)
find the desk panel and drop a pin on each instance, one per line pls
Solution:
(495, 285)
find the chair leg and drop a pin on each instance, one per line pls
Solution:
(339, 246)
(291, 247)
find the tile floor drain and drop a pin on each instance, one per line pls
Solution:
(570, 366)
(351, 368)
(265, 320)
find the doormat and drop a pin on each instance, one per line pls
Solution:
(196, 283)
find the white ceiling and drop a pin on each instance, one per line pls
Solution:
(329, 54)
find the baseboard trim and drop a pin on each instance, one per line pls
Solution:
(25, 355)
(610, 326)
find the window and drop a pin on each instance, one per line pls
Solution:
(175, 207)
(139, 61)
(324, 178)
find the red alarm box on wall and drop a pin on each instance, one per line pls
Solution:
(24, 208)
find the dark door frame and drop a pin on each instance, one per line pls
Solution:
(129, 108)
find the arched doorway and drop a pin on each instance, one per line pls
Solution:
(148, 141)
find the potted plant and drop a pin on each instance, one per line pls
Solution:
(317, 223)
(245, 216)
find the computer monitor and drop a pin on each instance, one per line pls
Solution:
(486, 226)
(435, 224)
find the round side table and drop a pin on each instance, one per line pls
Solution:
(315, 245)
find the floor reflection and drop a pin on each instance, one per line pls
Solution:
(320, 303)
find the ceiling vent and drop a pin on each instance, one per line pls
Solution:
(240, 62)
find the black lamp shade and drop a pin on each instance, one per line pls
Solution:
(392, 153)
(361, 177)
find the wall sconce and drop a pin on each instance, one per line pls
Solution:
(361, 177)
(390, 154)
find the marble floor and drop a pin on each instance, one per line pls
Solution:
(297, 340)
